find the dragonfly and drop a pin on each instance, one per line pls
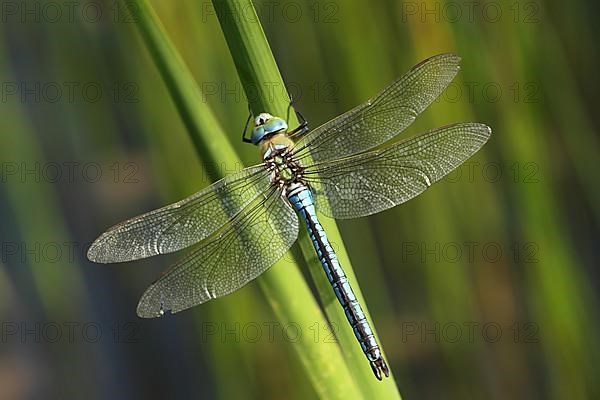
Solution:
(244, 223)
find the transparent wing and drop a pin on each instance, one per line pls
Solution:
(377, 180)
(181, 224)
(252, 242)
(382, 117)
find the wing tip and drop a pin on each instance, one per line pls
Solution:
(482, 131)
(146, 314)
(94, 253)
(478, 128)
(451, 58)
(97, 253)
(106, 250)
(486, 130)
(448, 62)
(146, 309)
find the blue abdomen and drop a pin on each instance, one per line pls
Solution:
(302, 200)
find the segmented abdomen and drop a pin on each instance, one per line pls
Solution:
(302, 200)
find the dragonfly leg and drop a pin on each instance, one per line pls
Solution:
(244, 138)
(300, 129)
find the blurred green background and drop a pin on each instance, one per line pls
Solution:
(483, 287)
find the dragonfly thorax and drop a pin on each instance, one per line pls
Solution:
(285, 170)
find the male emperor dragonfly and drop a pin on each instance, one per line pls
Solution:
(245, 222)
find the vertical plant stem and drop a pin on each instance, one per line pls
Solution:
(283, 285)
(265, 90)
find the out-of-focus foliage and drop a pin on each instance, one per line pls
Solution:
(483, 287)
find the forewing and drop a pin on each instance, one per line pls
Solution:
(382, 117)
(252, 242)
(371, 182)
(181, 224)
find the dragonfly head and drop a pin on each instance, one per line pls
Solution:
(265, 124)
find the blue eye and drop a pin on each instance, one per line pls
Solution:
(266, 127)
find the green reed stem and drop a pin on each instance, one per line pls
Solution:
(266, 92)
(283, 285)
